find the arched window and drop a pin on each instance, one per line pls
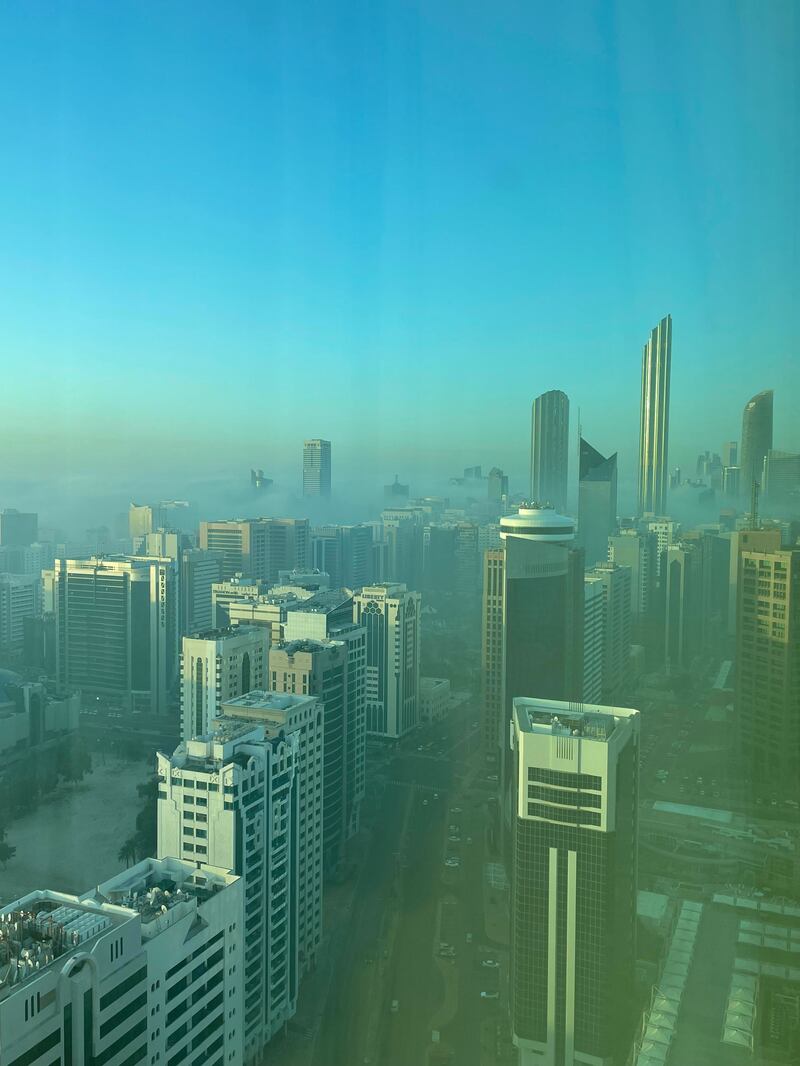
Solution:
(245, 673)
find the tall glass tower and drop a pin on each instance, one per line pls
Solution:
(654, 419)
(550, 449)
(597, 502)
(317, 467)
(756, 439)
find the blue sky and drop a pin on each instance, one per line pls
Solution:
(225, 227)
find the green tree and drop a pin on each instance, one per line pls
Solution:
(7, 851)
(127, 853)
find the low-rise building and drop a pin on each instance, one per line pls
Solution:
(434, 698)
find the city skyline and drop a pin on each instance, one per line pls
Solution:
(399, 649)
(322, 260)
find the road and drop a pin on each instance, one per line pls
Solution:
(389, 947)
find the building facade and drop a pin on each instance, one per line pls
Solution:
(18, 529)
(317, 468)
(654, 419)
(217, 665)
(615, 582)
(300, 718)
(20, 598)
(344, 552)
(550, 449)
(390, 615)
(328, 616)
(232, 798)
(639, 552)
(573, 927)
(144, 968)
(320, 668)
(117, 628)
(597, 502)
(756, 440)
(258, 547)
(767, 693)
(199, 570)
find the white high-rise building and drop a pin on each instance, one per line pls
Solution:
(328, 616)
(302, 717)
(216, 666)
(391, 616)
(145, 968)
(320, 668)
(232, 797)
(317, 467)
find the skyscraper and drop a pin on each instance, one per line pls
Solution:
(344, 552)
(329, 616)
(615, 582)
(497, 484)
(232, 798)
(299, 718)
(404, 533)
(730, 453)
(18, 529)
(259, 548)
(319, 668)
(390, 613)
(217, 665)
(597, 502)
(533, 616)
(756, 440)
(573, 884)
(654, 419)
(550, 449)
(780, 480)
(317, 467)
(117, 628)
(199, 570)
(768, 659)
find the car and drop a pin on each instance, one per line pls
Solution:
(469, 938)
(420, 748)
(454, 839)
(424, 803)
(451, 861)
(492, 777)
(490, 995)
(455, 810)
(490, 964)
(453, 827)
(395, 1006)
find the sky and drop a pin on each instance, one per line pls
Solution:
(227, 227)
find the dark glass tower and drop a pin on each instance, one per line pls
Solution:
(550, 449)
(573, 930)
(533, 615)
(597, 502)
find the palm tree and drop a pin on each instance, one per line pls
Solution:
(127, 853)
